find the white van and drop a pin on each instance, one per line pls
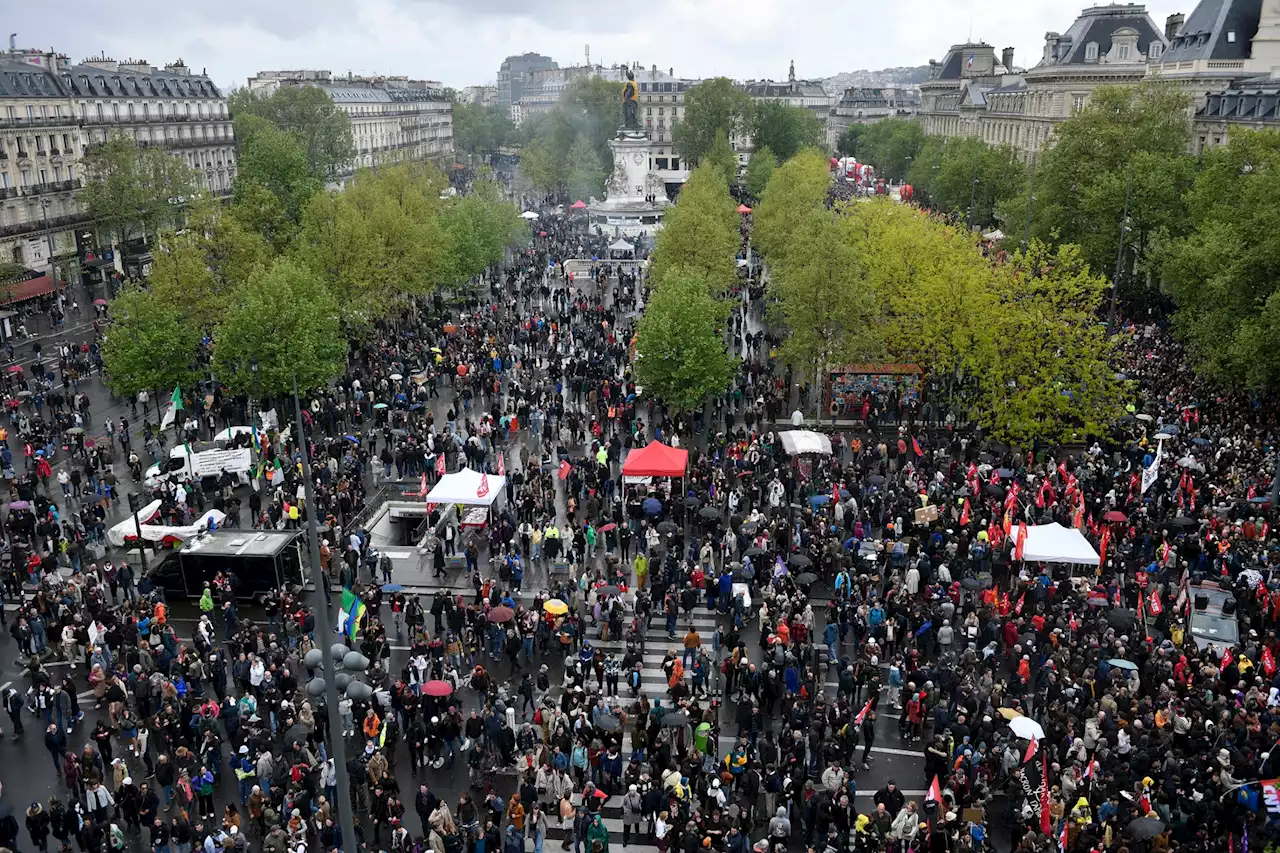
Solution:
(198, 464)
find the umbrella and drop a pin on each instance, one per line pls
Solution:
(652, 506)
(1163, 436)
(15, 368)
(1260, 499)
(820, 500)
(19, 505)
(391, 587)
(745, 573)
(994, 490)
(75, 431)
(692, 502)
(983, 581)
(753, 552)
(1026, 728)
(1190, 462)
(400, 432)
(578, 205)
(605, 528)
(1005, 473)
(1145, 417)
(876, 480)
(555, 607)
(672, 719)
(396, 377)
(1121, 618)
(1200, 441)
(710, 512)
(1183, 521)
(667, 527)
(379, 405)
(99, 302)
(1008, 713)
(609, 590)
(437, 687)
(749, 527)
(1121, 663)
(799, 561)
(501, 614)
(529, 214)
(806, 578)
(609, 723)
(1115, 515)
(352, 439)
(297, 733)
(1172, 429)
(1144, 828)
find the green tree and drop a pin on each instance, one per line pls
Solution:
(849, 142)
(586, 173)
(481, 225)
(151, 346)
(132, 191)
(969, 171)
(260, 211)
(309, 116)
(272, 159)
(1081, 177)
(680, 349)
(713, 106)
(722, 158)
(760, 170)
(479, 129)
(1225, 274)
(785, 130)
(891, 145)
(797, 187)
(286, 321)
(542, 168)
(821, 295)
(700, 233)
(1050, 372)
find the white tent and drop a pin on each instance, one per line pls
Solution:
(159, 532)
(1053, 543)
(622, 246)
(529, 214)
(467, 487)
(116, 535)
(798, 441)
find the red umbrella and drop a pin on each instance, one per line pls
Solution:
(501, 614)
(606, 528)
(437, 688)
(742, 208)
(579, 205)
(15, 368)
(99, 302)
(542, 233)
(1115, 515)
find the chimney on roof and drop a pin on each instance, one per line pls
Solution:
(1006, 58)
(1172, 24)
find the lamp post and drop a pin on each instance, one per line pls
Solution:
(1124, 230)
(1031, 198)
(320, 607)
(48, 236)
(973, 197)
(135, 504)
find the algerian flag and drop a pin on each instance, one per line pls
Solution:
(348, 601)
(171, 413)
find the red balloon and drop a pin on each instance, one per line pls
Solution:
(462, 370)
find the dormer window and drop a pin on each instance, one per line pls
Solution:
(1231, 36)
(1091, 52)
(1155, 49)
(1122, 52)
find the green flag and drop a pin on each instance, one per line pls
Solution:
(176, 399)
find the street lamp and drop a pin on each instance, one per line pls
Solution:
(48, 237)
(1124, 230)
(1031, 197)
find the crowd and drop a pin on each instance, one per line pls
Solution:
(1052, 707)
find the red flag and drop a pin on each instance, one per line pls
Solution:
(1102, 545)
(565, 468)
(1062, 837)
(1032, 749)
(422, 485)
(915, 446)
(1017, 608)
(835, 493)
(440, 464)
(935, 791)
(502, 464)
(483, 488)
(1004, 603)
(862, 715)
(964, 514)
(1227, 658)
(1020, 545)
(1142, 601)
(1072, 623)
(1268, 661)
(1155, 607)
(1046, 819)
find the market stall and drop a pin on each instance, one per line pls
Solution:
(1053, 543)
(469, 488)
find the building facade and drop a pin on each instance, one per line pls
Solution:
(393, 119)
(481, 96)
(972, 92)
(806, 94)
(51, 112)
(868, 105)
(661, 106)
(510, 83)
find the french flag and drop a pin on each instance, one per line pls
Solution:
(969, 64)
(862, 715)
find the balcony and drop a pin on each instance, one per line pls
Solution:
(95, 121)
(53, 224)
(56, 121)
(53, 187)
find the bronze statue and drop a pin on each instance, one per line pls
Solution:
(630, 103)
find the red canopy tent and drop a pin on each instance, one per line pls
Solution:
(656, 460)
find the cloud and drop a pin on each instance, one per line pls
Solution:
(462, 42)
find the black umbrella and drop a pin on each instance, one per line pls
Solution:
(753, 552)
(1121, 618)
(962, 493)
(806, 578)
(1184, 521)
(799, 561)
(994, 490)
(746, 573)
(1143, 828)
(667, 527)
(982, 581)
(875, 480)
(296, 734)
(609, 723)
(609, 590)
(749, 527)
(710, 512)
(692, 502)
(674, 718)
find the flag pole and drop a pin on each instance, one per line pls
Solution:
(320, 606)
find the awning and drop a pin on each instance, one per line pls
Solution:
(800, 441)
(467, 487)
(1053, 543)
(622, 246)
(31, 288)
(656, 460)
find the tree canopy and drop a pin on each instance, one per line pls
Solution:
(797, 187)
(133, 191)
(680, 349)
(969, 171)
(309, 116)
(712, 106)
(891, 145)
(557, 142)
(760, 170)
(783, 129)
(151, 346)
(700, 233)
(479, 129)
(722, 158)
(272, 159)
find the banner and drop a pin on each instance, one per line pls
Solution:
(1152, 471)
(1271, 795)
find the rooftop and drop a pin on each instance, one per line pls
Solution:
(240, 543)
(1216, 29)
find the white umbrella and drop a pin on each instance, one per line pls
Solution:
(1145, 417)
(1026, 728)
(1162, 436)
(396, 377)
(529, 214)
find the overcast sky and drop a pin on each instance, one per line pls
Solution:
(462, 42)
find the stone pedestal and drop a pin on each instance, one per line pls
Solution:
(625, 210)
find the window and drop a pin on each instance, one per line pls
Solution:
(1155, 50)
(115, 112)
(57, 173)
(1231, 36)
(1091, 52)
(66, 143)
(1077, 103)
(4, 179)
(26, 177)
(44, 111)
(99, 106)
(1122, 52)
(11, 113)
(31, 112)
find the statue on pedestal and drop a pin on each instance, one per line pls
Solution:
(630, 103)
